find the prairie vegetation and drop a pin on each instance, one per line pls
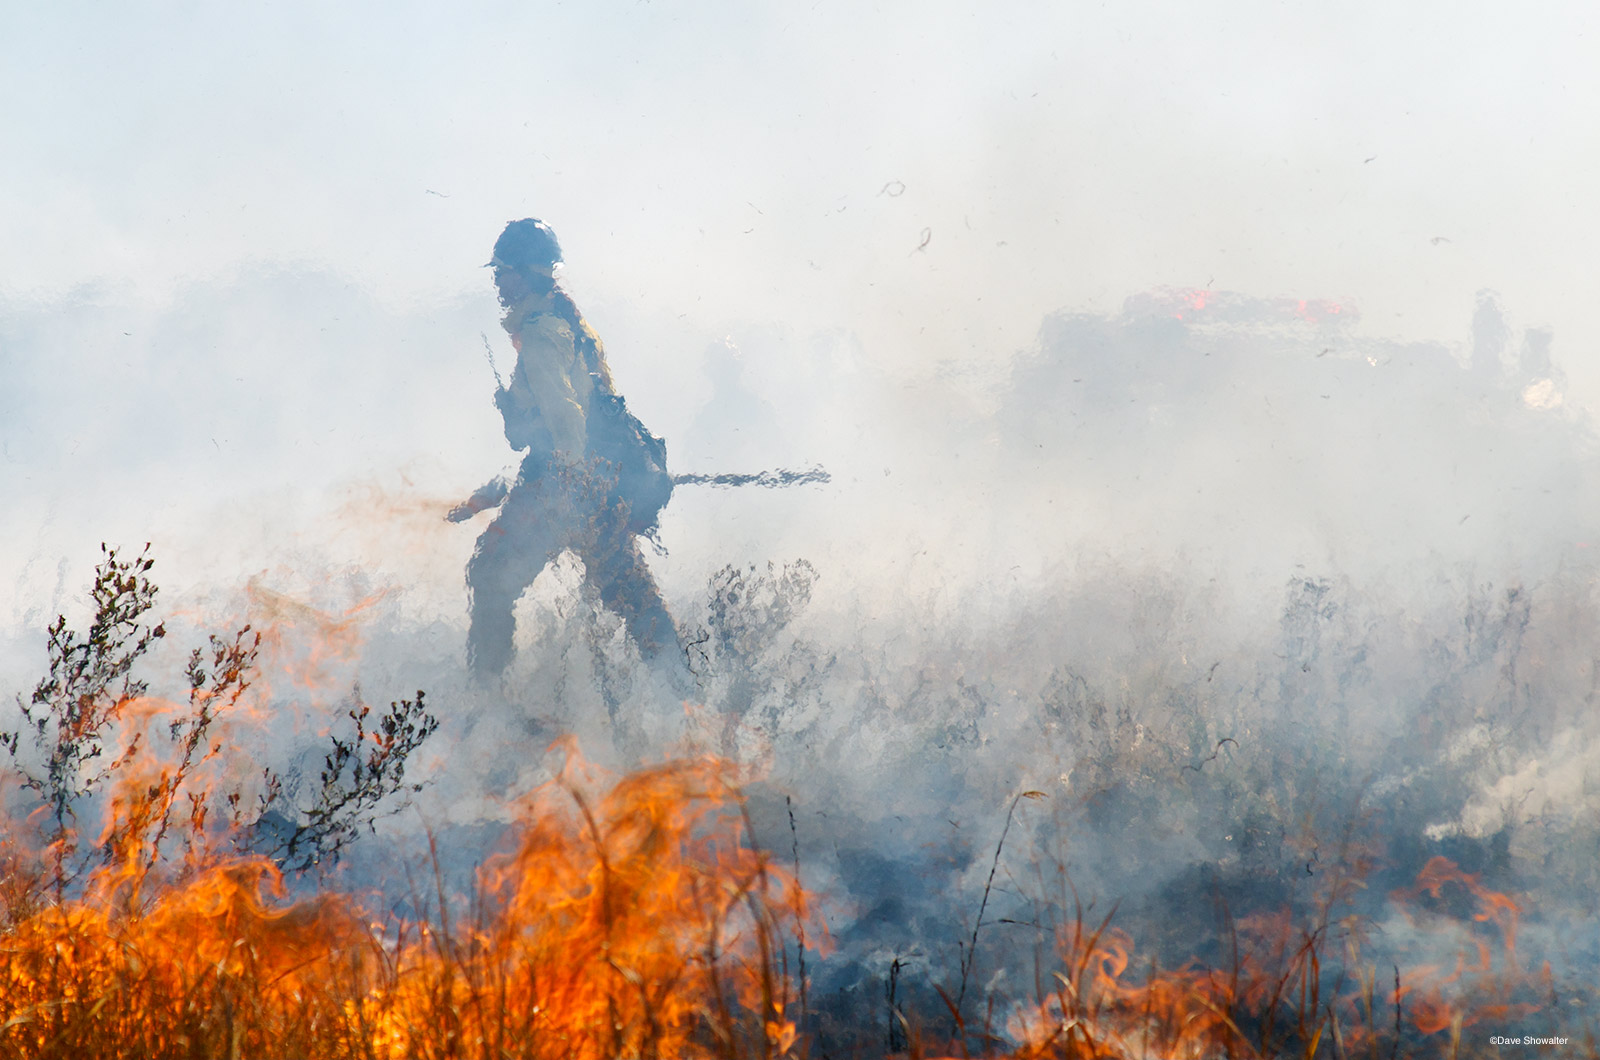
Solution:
(159, 900)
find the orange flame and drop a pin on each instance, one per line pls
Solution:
(1274, 987)
(628, 917)
(1474, 984)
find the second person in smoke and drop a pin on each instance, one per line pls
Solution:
(594, 479)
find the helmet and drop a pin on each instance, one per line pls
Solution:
(528, 243)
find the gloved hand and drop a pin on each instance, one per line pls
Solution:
(489, 495)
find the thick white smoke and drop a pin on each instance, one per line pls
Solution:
(1180, 468)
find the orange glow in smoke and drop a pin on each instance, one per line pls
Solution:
(1479, 990)
(310, 646)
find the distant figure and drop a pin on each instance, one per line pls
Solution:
(735, 426)
(594, 479)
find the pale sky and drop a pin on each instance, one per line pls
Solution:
(1109, 147)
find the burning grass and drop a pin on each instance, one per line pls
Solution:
(634, 917)
(625, 919)
(628, 916)
(1287, 991)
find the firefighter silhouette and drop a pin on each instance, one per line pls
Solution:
(593, 479)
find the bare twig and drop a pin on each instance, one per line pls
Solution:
(970, 953)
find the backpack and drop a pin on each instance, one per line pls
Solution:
(637, 458)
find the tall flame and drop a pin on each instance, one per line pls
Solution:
(628, 917)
